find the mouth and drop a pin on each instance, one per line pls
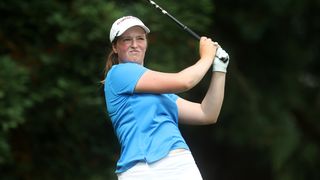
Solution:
(134, 51)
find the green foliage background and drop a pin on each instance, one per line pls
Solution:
(53, 122)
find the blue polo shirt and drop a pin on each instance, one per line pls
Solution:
(146, 124)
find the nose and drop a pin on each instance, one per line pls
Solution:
(134, 42)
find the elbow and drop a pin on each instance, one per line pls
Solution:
(185, 82)
(187, 85)
(212, 121)
(182, 86)
(211, 115)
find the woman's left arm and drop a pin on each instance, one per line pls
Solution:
(208, 110)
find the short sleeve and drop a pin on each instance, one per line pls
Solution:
(173, 97)
(122, 78)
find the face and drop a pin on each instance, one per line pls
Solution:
(131, 45)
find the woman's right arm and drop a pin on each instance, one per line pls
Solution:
(159, 82)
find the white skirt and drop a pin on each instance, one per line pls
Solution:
(178, 165)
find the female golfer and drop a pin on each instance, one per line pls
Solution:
(145, 111)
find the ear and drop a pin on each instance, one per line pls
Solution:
(114, 48)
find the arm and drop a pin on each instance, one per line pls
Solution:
(158, 82)
(208, 111)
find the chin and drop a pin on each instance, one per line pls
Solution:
(138, 61)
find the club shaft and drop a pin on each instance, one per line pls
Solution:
(184, 27)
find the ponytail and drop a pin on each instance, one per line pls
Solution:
(112, 59)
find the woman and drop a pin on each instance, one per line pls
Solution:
(145, 111)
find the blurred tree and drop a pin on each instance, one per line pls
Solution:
(269, 122)
(53, 122)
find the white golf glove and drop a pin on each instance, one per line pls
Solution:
(221, 61)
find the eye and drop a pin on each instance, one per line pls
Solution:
(141, 38)
(127, 39)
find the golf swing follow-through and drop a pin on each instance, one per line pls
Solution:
(144, 107)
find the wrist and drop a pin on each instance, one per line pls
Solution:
(206, 59)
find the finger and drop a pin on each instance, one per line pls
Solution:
(204, 38)
(216, 44)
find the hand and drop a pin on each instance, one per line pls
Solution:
(222, 55)
(207, 48)
(221, 61)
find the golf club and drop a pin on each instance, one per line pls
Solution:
(224, 57)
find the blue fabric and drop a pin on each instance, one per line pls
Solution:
(146, 124)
